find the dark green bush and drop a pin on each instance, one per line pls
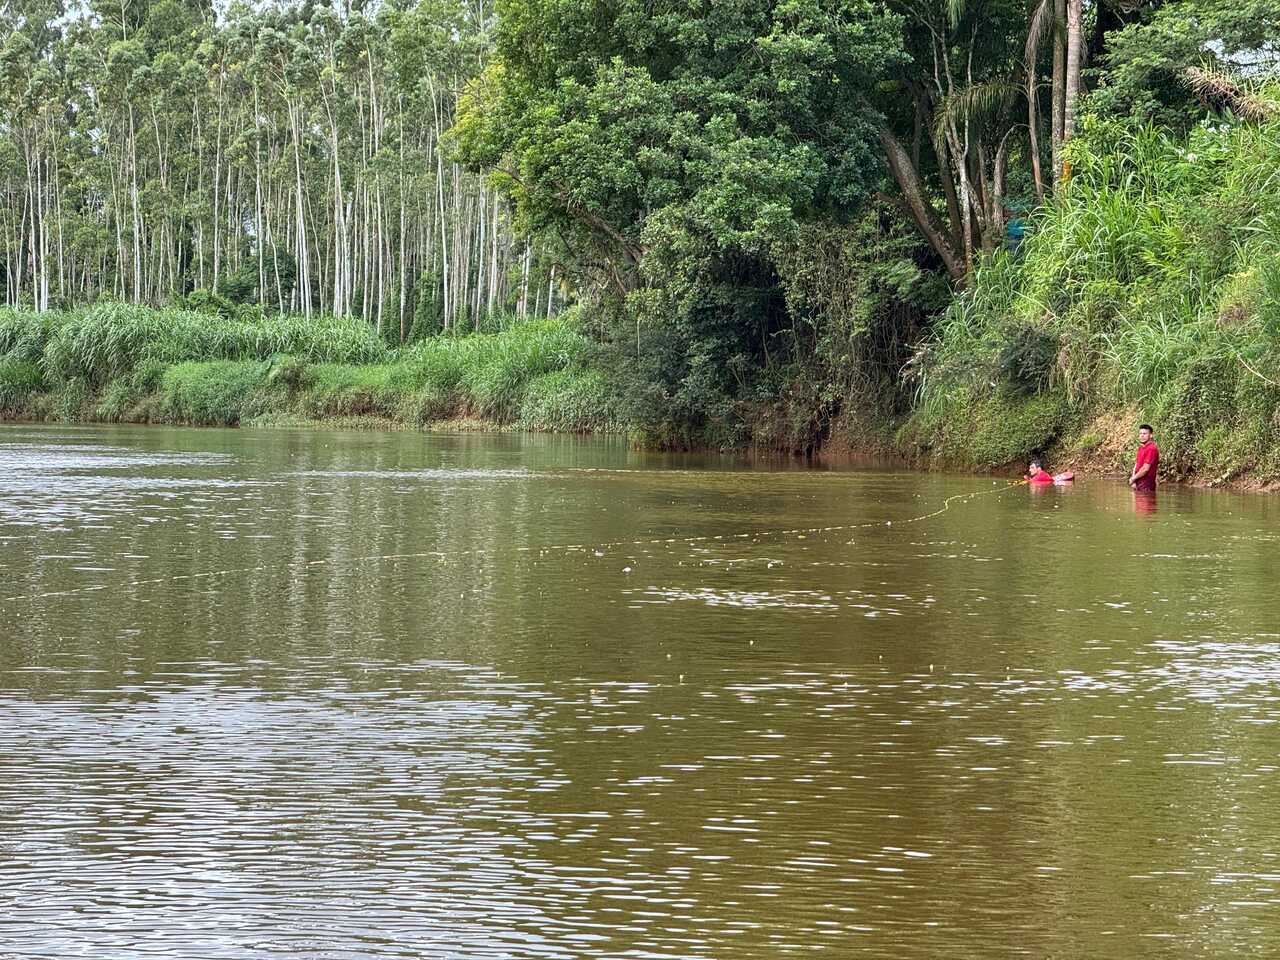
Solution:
(1026, 359)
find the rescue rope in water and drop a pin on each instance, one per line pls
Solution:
(481, 551)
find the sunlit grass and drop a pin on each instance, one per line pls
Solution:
(119, 362)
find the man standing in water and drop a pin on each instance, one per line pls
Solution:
(1143, 478)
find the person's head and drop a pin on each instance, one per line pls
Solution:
(1145, 433)
(1035, 467)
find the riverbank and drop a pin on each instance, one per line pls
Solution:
(1149, 291)
(1015, 368)
(116, 363)
(1107, 453)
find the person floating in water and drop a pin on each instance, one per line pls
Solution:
(1143, 477)
(1037, 474)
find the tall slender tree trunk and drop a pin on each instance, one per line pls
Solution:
(300, 227)
(524, 281)
(217, 189)
(1075, 59)
(1059, 82)
(493, 258)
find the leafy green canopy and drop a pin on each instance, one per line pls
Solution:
(674, 150)
(1146, 63)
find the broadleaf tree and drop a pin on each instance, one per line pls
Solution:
(675, 151)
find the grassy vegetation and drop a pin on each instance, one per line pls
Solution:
(125, 363)
(1149, 290)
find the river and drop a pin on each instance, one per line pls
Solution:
(347, 695)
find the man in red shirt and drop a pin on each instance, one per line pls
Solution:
(1036, 474)
(1147, 462)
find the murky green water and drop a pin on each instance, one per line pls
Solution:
(345, 695)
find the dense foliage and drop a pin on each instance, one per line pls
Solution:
(1150, 290)
(678, 155)
(759, 197)
(786, 222)
(122, 362)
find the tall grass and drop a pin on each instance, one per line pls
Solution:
(110, 340)
(117, 362)
(1157, 266)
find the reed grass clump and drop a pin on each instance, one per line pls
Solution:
(573, 400)
(20, 379)
(118, 362)
(216, 393)
(111, 339)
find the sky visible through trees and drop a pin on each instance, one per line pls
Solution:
(287, 155)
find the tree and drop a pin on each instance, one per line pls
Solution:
(669, 150)
(290, 155)
(948, 122)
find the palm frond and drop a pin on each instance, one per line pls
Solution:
(1041, 25)
(1225, 88)
(974, 103)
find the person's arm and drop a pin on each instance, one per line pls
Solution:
(1139, 473)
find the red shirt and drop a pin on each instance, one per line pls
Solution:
(1148, 453)
(1040, 477)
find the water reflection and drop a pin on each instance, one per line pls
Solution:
(387, 695)
(1144, 502)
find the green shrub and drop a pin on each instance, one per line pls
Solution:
(425, 405)
(496, 368)
(207, 301)
(291, 373)
(116, 402)
(428, 308)
(570, 401)
(147, 375)
(990, 430)
(212, 393)
(1202, 399)
(1090, 441)
(72, 400)
(1009, 428)
(24, 334)
(341, 390)
(20, 379)
(1025, 360)
(435, 368)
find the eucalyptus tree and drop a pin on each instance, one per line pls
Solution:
(33, 141)
(289, 155)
